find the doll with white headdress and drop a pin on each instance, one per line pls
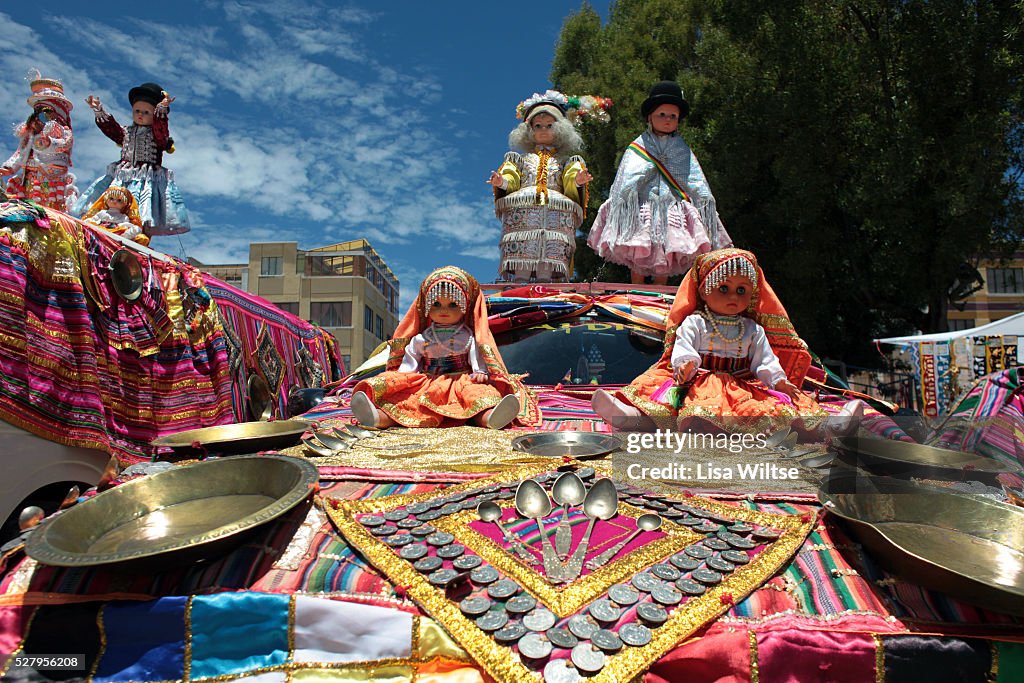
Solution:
(540, 191)
(140, 168)
(38, 170)
(444, 367)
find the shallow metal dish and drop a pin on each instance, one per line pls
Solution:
(188, 512)
(969, 547)
(243, 437)
(573, 444)
(901, 457)
(126, 274)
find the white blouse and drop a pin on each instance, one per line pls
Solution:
(434, 342)
(695, 337)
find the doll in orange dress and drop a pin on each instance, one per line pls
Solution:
(730, 351)
(444, 367)
(118, 211)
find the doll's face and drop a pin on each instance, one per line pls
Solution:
(665, 119)
(142, 113)
(116, 204)
(543, 126)
(731, 297)
(445, 311)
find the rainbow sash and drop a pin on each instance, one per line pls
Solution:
(647, 156)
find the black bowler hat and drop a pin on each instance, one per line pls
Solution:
(665, 92)
(147, 92)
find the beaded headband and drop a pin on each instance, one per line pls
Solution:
(736, 262)
(450, 282)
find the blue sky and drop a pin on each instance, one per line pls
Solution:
(313, 122)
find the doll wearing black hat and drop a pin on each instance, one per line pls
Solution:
(140, 168)
(660, 213)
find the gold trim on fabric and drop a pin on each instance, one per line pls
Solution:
(648, 406)
(103, 644)
(187, 662)
(291, 627)
(755, 667)
(879, 659)
(502, 662)
(993, 672)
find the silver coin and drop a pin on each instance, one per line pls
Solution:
(450, 552)
(698, 552)
(506, 494)
(429, 515)
(442, 576)
(539, 619)
(667, 596)
(623, 595)
(721, 520)
(665, 571)
(467, 562)
(691, 587)
(717, 544)
(649, 613)
(474, 607)
(484, 575)
(417, 508)
(371, 520)
(413, 551)
(719, 564)
(766, 534)
(423, 530)
(534, 646)
(398, 540)
(587, 658)
(450, 509)
(606, 640)
(605, 610)
(706, 576)
(706, 527)
(561, 671)
(468, 504)
(684, 563)
(458, 496)
(491, 488)
(521, 604)
(505, 588)
(510, 633)
(634, 635)
(620, 487)
(428, 564)
(673, 516)
(656, 505)
(691, 521)
(408, 523)
(741, 528)
(639, 502)
(583, 626)
(736, 556)
(741, 543)
(562, 637)
(435, 503)
(487, 496)
(396, 515)
(698, 512)
(644, 581)
(491, 621)
(440, 538)
(386, 530)
(586, 472)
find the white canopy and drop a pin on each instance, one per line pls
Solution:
(1013, 325)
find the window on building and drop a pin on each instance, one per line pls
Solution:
(288, 306)
(234, 280)
(368, 319)
(380, 328)
(331, 313)
(1005, 280)
(271, 265)
(347, 361)
(957, 324)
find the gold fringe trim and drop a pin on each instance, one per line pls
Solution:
(755, 669)
(879, 659)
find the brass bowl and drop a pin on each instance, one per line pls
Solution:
(902, 458)
(126, 274)
(185, 513)
(969, 547)
(243, 437)
(261, 399)
(572, 444)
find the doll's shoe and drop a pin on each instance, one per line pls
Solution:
(364, 411)
(847, 421)
(611, 409)
(503, 413)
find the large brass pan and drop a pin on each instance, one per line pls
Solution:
(917, 460)
(243, 437)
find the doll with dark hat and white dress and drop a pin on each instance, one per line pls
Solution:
(660, 213)
(140, 168)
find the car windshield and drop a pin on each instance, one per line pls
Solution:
(585, 350)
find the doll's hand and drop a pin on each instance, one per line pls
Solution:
(479, 377)
(786, 387)
(583, 177)
(94, 103)
(166, 101)
(496, 179)
(684, 372)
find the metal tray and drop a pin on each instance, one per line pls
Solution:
(188, 512)
(901, 457)
(573, 444)
(243, 437)
(969, 547)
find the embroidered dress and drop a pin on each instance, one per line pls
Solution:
(140, 170)
(540, 209)
(40, 166)
(660, 213)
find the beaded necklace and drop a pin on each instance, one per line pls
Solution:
(733, 322)
(451, 332)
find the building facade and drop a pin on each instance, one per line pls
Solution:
(999, 293)
(346, 288)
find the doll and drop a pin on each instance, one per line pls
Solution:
(140, 168)
(444, 366)
(729, 346)
(540, 191)
(117, 211)
(38, 170)
(660, 212)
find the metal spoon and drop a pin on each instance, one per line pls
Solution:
(776, 439)
(71, 498)
(788, 444)
(317, 447)
(332, 442)
(362, 432)
(532, 502)
(819, 460)
(645, 522)
(344, 434)
(29, 517)
(602, 502)
(110, 473)
(489, 511)
(568, 490)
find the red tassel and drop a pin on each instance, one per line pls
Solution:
(726, 599)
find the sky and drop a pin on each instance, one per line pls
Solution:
(312, 122)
